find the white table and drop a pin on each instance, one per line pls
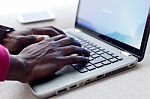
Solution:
(132, 84)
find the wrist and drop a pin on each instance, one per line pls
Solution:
(17, 68)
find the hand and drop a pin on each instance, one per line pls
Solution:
(46, 58)
(17, 40)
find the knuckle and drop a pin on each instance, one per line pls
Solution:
(59, 51)
(57, 58)
(55, 44)
(51, 44)
(73, 48)
(73, 58)
(32, 38)
(33, 29)
(52, 52)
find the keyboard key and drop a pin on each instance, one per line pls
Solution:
(83, 70)
(82, 41)
(97, 60)
(89, 64)
(78, 66)
(84, 44)
(96, 50)
(107, 56)
(100, 52)
(110, 53)
(119, 58)
(89, 46)
(95, 56)
(99, 47)
(98, 65)
(106, 62)
(104, 50)
(91, 58)
(91, 67)
(92, 48)
(92, 53)
(114, 55)
(99, 56)
(87, 49)
(113, 60)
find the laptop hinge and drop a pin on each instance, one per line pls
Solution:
(125, 53)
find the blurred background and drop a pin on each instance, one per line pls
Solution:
(16, 6)
(10, 8)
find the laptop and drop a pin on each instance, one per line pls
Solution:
(114, 31)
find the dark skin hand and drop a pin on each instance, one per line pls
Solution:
(45, 58)
(17, 40)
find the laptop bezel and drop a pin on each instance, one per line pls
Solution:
(139, 53)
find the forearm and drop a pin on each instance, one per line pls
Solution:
(17, 68)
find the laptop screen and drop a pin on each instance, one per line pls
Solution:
(122, 20)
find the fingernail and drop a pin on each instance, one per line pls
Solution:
(39, 38)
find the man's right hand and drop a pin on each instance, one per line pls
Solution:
(46, 58)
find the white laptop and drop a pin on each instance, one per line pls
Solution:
(114, 31)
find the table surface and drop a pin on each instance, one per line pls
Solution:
(132, 84)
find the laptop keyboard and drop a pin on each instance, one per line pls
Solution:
(99, 57)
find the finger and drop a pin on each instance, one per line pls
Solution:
(31, 39)
(58, 30)
(58, 37)
(68, 41)
(69, 50)
(45, 31)
(68, 60)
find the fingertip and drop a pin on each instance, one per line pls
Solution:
(87, 53)
(77, 43)
(39, 38)
(85, 59)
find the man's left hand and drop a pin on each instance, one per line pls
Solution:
(16, 41)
